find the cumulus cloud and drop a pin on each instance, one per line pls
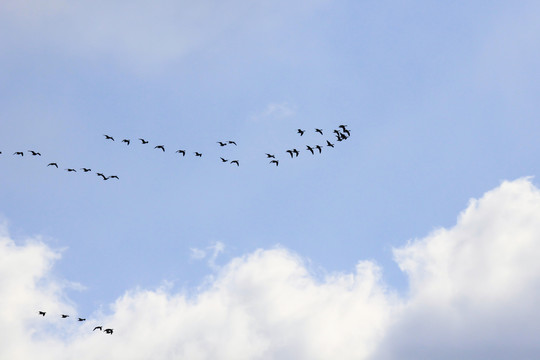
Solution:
(473, 294)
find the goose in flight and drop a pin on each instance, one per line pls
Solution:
(107, 137)
(64, 316)
(160, 147)
(328, 143)
(310, 149)
(127, 141)
(108, 331)
(343, 127)
(235, 162)
(275, 162)
(183, 152)
(319, 131)
(34, 153)
(318, 147)
(114, 177)
(347, 132)
(295, 152)
(270, 156)
(223, 160)
(53, 164)
(143, 141)
(198, 154)
(42, 313)
(232, 142)
(81, 319)
(18, 153)
(103, 176)
(71, 170)
(221, 143)
(86, 169)
(290, 153)
(100, 328)
(301, 132)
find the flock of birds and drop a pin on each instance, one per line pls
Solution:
(341, 133)
(65, 316)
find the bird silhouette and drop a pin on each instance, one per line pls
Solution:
(198, 154)
(126, 141)
(295, 152)
(232, 142)
(347, 132)
(183, 152)
(270, 156)
(275, 162)
(18, 153)
(160, 147)
(343, 127)
(224, 160)
(290, 153)
(310, 149)
(108, 331)
(53, 164)
(34, 153)
(328, 143)
(114, 177)
(301, 132)
(103, 176)
(71, 170)
(42, 313)
(319, 148)
(81, 319)
(235, 162)
(98, 327)
(143, 141)
(107, 137)
(319, 131)
(221, 143)
(86, 169)
(64, 316)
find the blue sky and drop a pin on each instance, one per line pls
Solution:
(441, 101)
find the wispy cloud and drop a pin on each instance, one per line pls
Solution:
(275, 111)
(475, 284)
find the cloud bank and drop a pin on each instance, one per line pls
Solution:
(474, 290)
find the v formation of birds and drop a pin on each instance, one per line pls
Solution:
(341, 134)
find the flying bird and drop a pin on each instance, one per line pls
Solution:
(53, 164)
(86, 169)
(64, 316)
(34, 153)
(108, 331)
(319, 131)
(198, 154)
(270, 156)
(183, 152)
(224, 160)
(301, 132)
(343, 127)
(107, 137)
(235, 162)
(42, 313)
(232, 142)
(295, 152)
(100, 328)
(126, 141)
(71, 170)
(143, 141)
(18, 153)
(221, 143)
(310, 149)
(290, 153)
(347, 132)
(103, 176)
(319, 148)
(160, 147)
(114, 177)
(328, 143)
(81, 319)
(275, 162)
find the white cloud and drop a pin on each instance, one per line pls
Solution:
(275, 111)
(473, 295)
(215, 249)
